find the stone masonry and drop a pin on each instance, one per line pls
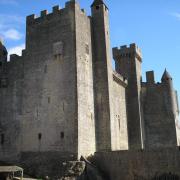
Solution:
(63, 99)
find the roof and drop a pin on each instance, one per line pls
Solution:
(1, 42)
(3, 48)
(98, 2)
(10, 169)
(166, 76)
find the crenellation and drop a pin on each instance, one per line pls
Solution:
(150, 77)
(31, 18)
(48, 16)
(124, 47)
(14, 57)
(127, 52)
(115, 52)
(56, 9)
(71, 4)
(23, 52)
(83, 10)
(44, 13)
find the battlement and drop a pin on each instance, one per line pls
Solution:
(56, 10)
(127, 52)
(43, 14)
(150, 79)
(120, 79)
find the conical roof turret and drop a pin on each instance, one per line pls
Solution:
(3, 50)
(166, 76)
(97, 3)
(1, 43)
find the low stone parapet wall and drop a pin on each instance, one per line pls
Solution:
(140, 165)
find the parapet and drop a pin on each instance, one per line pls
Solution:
(56, 10)
(43, 14)
(14, 57)
(127, 52)
(150, 77)
(120, 79)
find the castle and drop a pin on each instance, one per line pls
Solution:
(62, 96)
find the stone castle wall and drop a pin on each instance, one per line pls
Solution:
(159, 118)
(48, 104)
(119, 125)
(139, 165)
(85, 94)
(62, 99)
(128, 63)
(46, 92)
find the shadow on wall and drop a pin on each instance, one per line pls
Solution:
(165, 176)
(82, 170)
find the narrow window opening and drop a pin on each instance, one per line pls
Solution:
(49, 100)
(63, 106)
(0, 64)
(37, 113)
(87, 49)
(62, 135)
(119, 123)
(39, 136)
(97, 7)
(45, 69)
(2, 139)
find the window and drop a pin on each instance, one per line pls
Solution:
(2, 139)
(49, 100)
(39, 136)
(0, 64)
(3, 82)
(45, 69)
(63, 107)
(91, 116)
(58, 49)
(119, 123)
(97, 7)
(87, 48)
(62, 135)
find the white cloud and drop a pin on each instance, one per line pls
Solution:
(16, 50)
(8, 2)
(9, 25)
(176, 14)
(12, 34)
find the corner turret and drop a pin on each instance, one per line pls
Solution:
(167, 83)
(3, 58)
(128, 63)
(3, 61)
(102, 69)
(166, 77)
(97, 3)
(3, 53)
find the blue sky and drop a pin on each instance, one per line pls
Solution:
(154, 25)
